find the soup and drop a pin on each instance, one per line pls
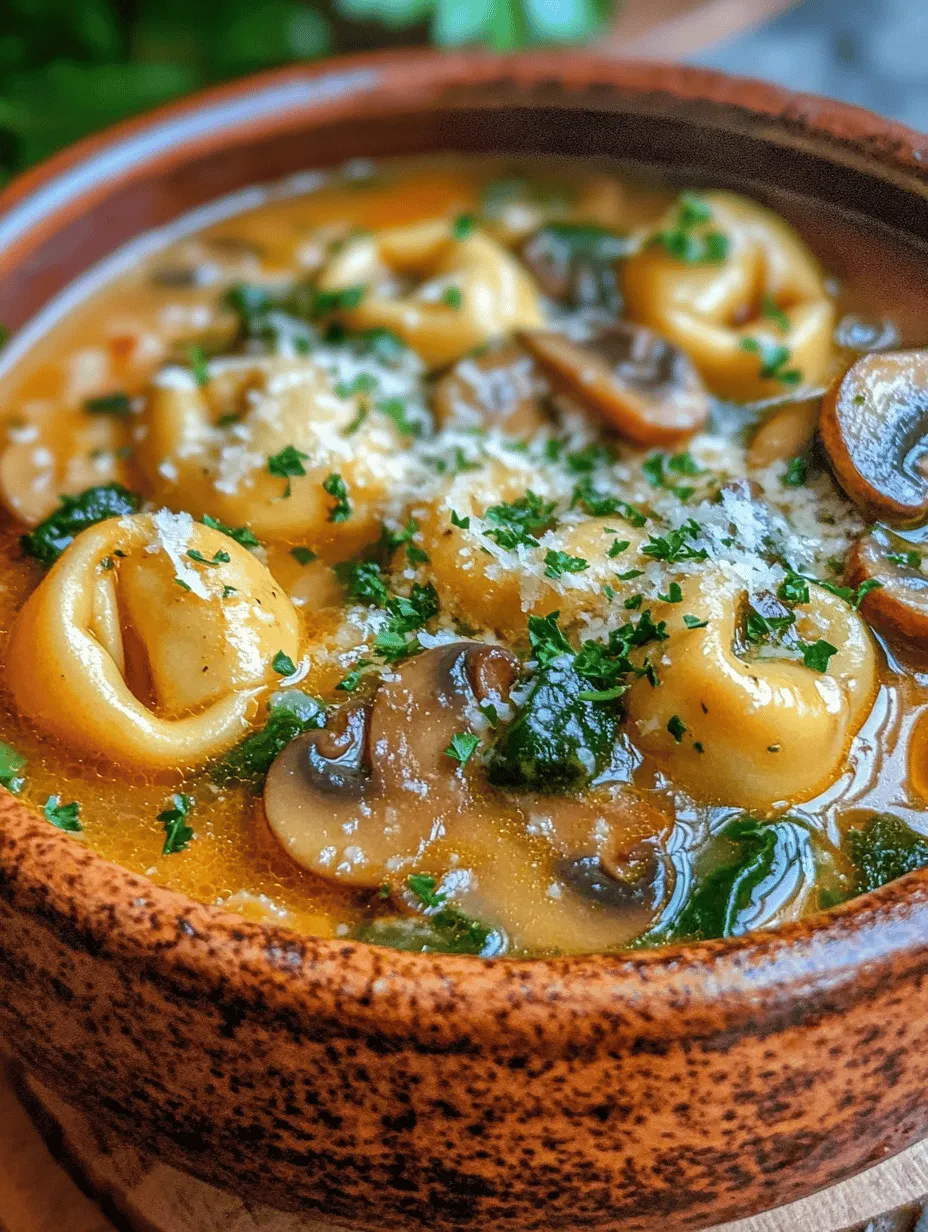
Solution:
(480, 557)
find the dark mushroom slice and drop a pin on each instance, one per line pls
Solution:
(785, 433)
(576, 263)
(873, 425)
(641, 385)
(373, 796)
(500, 386)
(635, 878)
(898, 608)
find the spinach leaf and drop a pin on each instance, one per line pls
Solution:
(756, 868)
(50, 538)
(448, 931)
(558, 739)
(882, 850)
(290, 713)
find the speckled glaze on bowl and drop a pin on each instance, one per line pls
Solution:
(391, 1090)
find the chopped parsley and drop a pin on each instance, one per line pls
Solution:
(795, 474)
(462, 747)
(675, 546)
(64, 816)
(463, 226)
(241, 534)
(288, 464)
(617, 547)
(407, 614)
(196, 357)
(459, 522)
(910, 560)
(689, 238)
(363, 580)
(220, 557)
(676, 727)
(598, 505)
(815, 655)
(794, 588)
(770, 309)
(335, 301)
(118, 404)
(303, 556)
(335, 487)
(774, 358)
(559, 563)
(282, 664)
(11, 763)
(519, 522)
(452, 297)
(395, 410)
(50, 538)
(693, 622)
(177, 833)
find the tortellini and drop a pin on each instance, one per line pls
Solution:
(490, 585)
(755, 732)
(150, 641)
(211, 449)
(754, 319)
(52, 453)
(443, 294)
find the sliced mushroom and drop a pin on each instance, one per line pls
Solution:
(576, 263)
(874, 424)
(899, 606)
(634, 879)
(368, 797)
(785, 433)
(498, 387)
(642, 385)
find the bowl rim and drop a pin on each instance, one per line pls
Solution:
(760, 981)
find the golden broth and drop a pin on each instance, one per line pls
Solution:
(128, 329)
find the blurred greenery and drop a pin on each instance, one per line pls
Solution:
(68, 67)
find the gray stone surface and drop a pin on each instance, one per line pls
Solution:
(871, 52)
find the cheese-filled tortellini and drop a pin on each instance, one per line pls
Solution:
(753, 731)
(150, 641)
(443, 293)
(268, 442)
(734, 286)
(509, 553)
(53, 452)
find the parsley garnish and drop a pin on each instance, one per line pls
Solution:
(241, 534)
(283, 664)
(109, 404)
(773, 312)
(177, 833)
(290, 713)
(463, 226)
(676, 727)
(64, 816)
(49, 539)
(303, 556)
(219, 557)
(911, 560)
(334, 485)
(452, 297)
(617, 547)
(815, 655)
(459, 522)
(11, 763)
(693, 622)
(795, 474)
(462, 747)
(287, 464)
(395, 410)
(519, 522)
(773, 360)
(673, 547)
(682, 239)
(364, 581)
(794, 588)
(559, 563)
(197, 359)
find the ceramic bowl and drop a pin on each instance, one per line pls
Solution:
(391, 1090)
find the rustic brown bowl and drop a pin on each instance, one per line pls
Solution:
(391, 1090)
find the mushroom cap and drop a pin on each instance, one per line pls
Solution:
(873, 425)
(785, 433)
(497, 387)
(643, 386)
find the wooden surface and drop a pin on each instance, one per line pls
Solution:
(135, 1194)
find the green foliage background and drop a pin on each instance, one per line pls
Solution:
(68, 67)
